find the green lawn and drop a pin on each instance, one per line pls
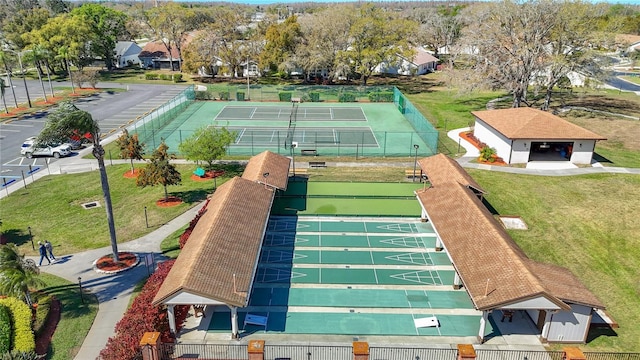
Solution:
(76, 317)
(52, 208)
(587, 224)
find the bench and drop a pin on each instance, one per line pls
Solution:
(309, 152)
(255, 320)
(317, 164)
(409, 173)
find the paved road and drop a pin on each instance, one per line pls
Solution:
(623, 85)
(112, 110)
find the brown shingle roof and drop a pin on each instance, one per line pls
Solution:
(268, 162)
(157, 50)
(495, 271)
(226, 241)
(528, 123)
(441, 169)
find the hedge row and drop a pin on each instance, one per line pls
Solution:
(168, 77)
(143, 317)
(5, 329)
(22, 337)
(347, 97)
(285, 96)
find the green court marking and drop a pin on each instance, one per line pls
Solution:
(363, 298)
(351, 257)
(288, 240)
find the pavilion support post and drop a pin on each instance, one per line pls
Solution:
(234, 322)
(483, 325)
(172, 319)
(457, 282)
(439, 246)
(547, 326)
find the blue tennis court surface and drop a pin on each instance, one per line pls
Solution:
(354, 276)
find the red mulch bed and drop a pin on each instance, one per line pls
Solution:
(43, 341)
(498, 160)
(207, 175)
(169, 202)
(126, 260)
(131, 175)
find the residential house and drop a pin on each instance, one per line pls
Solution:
(421, 63)
(154, 55)
(126, 54)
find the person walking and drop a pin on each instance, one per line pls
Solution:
(49, 247)
(43, 253)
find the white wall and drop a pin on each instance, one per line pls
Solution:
(520, 150)
(570, 326)
(493, 138)
(583, 151)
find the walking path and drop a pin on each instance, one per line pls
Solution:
(114, 290)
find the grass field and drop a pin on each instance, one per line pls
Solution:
(587, 224)
(52, 208)
(76, 317)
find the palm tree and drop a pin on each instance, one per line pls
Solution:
(31, 56)
(63, 53)
(66, 121)
(3, 58)
(4, 101)
(17, 274)
(44, 55)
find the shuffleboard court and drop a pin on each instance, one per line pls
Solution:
(354, 276)
(300, 113)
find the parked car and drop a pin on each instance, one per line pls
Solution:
(30, 149)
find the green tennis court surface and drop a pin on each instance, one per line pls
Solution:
(354, 276)
(301, 113)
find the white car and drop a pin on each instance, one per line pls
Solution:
(29, 149)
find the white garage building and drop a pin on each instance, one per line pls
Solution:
(520, 135)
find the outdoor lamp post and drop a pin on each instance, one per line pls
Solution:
(80, 287)
(415, 161)
(24, 78)
(31, 238)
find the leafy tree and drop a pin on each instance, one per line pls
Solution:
(107, 27)
(207, 144)
(170, 23)
(377, 36)
(23, 21)
(17, 274)
(66, 121)
(281, 41)
(511, 41)
(159, 171)
(130, 147)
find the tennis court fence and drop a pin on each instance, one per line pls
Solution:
(342, 352)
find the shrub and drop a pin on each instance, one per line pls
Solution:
(285, 96)
(5, 329)
(22, 355)
(177, 78)
(143, 317)
(151, 76)
(347, 97)
(487, 154)
(165, 77)
(22, 337)
(203, 95)
(224, 95)
(314, 96)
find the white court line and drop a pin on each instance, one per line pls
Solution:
(253, 112)
(335, 136)
(274, 133)
(240, 135)
(413, 317)
(320, 247)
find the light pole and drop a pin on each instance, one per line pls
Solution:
(294, 145)
(415, 161)
(248, 83)
(24, 78)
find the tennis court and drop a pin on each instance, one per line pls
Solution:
(333, 129)
(354, 276)
(305, 113)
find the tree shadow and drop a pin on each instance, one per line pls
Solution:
(17, 236)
